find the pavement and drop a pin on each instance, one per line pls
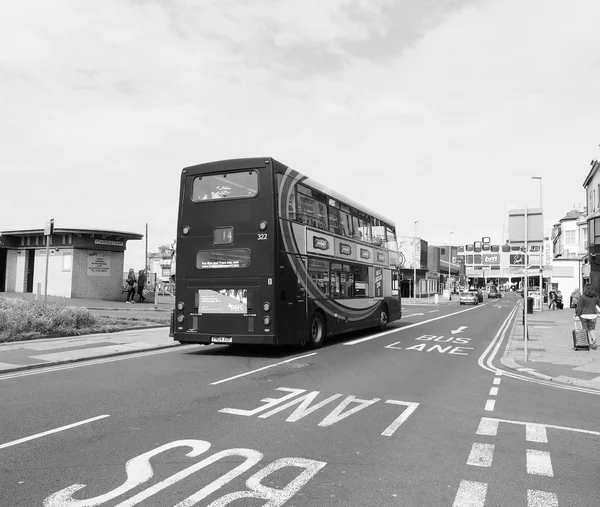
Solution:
(550, 347)
(550, 352)
(15, 356)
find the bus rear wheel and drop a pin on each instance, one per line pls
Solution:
(316, 331)
(384, 318)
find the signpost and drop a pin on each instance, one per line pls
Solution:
(48, 231)
(525, 226)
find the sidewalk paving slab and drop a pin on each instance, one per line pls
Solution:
(550, 352)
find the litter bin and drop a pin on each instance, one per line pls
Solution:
(529, 307)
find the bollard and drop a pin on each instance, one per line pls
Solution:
(156, 296)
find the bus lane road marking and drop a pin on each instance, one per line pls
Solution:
(261, 369)
(139, 471)
(305, 407)
(397, 329)
(451, 344)
(50, 432)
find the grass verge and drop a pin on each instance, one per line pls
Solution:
(28, 320)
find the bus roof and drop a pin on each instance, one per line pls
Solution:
(242, 163)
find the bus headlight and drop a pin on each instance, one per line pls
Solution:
(180, 319)
(180, 306)
(185, 230)
(267, 307)
(267, 321)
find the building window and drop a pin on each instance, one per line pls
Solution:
(570, 238)
(67, 261)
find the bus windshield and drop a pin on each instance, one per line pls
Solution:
(229, 185)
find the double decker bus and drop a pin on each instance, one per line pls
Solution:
(266, 255)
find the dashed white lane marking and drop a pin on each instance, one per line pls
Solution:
(432, 311)
(494, 391)
(541, 499)
(470, 494)
(49, 432)
(488, 427)
(536, 433)
(489, 405)
(481, 455)
(261, 369)
(539, 463)
(497, 381)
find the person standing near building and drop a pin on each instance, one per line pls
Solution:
(587, 309)
(141, 285)
(130, 286)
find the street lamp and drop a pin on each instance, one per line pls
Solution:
(450, 264)
(415, 265)
(541, 249)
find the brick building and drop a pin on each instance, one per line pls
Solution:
(82, 263)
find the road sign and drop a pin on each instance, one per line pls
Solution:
(49, 227)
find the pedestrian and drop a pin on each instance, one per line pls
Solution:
(575, 295)
(559, 300)
(587, 310)
(552, 300)
(141, 285)
(131, 281)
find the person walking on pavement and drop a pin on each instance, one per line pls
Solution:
(587, 310)
(552, 300)
(141, 284)
(130, 286)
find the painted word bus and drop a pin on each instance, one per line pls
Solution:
(266, 255)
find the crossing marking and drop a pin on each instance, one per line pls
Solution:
(470, 494)
(539, 463)
(541, 499)
(481, 455)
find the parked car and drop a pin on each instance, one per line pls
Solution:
(469, 296)
(494, 293)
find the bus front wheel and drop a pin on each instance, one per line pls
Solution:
(384, 318)
(316, 331)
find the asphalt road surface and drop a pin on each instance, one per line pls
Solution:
(421, 415)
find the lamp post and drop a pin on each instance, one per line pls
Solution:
(542, 249)
(450, 264)
(415, 265)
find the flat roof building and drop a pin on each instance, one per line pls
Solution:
(82, 263)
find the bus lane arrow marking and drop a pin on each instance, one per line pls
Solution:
(459, 330)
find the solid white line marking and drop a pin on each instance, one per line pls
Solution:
(553, 426)
(49, 432)
(539, 463)
(395, 330)
(494, 391)
(470, 494)
(541, 499)
(497, 381)
(481, 455)
(91, 362)
(536, 433)
(261, 369)
(489, 405)
(488, 427)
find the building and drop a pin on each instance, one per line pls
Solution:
(82, 263)
(413, 254)
(161, 265)
(569, 239)
(590, 264)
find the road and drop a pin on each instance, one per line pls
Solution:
(420, 415)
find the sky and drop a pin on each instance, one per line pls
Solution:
(439, 111)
